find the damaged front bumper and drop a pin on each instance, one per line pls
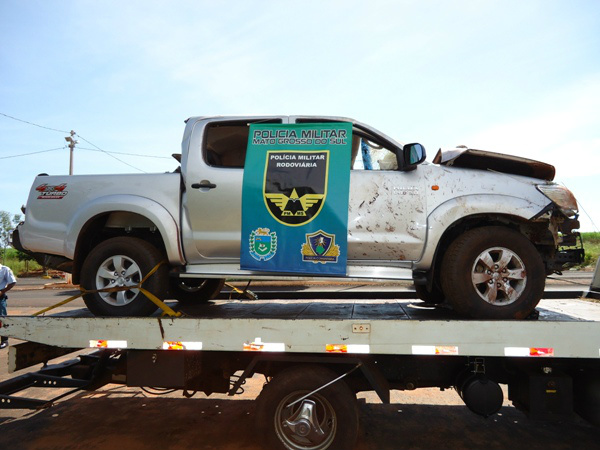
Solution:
(570, 251)
(569, 255)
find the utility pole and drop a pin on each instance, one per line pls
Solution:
(72, 143)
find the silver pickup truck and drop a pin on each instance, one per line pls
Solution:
(478, 230)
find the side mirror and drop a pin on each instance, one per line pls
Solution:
(412, 155)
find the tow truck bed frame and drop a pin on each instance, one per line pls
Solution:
(386, 327)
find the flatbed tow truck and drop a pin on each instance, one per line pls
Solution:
(316, 355)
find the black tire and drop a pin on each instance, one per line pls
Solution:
(195, 290)
(493, 273)
(433, 297)
(135, 258)
(334, 408)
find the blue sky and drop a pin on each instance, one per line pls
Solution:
(510, 76)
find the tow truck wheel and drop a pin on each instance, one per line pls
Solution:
(195, 290)
(327, 419)
(119, 262)
(493, 273)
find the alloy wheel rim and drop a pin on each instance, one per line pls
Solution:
(499, 276)
(118, 271)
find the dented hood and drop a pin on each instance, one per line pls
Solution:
(497, 162)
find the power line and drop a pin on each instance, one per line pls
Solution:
(123, 153)
(68, 132)
(112, 156)
(31, 123)
(33, 153)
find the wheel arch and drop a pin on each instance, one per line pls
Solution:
(510, 212)
(122, 215)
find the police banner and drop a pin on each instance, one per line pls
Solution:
(295, 198)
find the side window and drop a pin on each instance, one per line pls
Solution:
(225, 144)
(370, 156)
(367, 153)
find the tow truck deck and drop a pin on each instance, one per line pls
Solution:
(391, 327)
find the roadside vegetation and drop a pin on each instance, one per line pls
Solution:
(591, 244)
(21, 264)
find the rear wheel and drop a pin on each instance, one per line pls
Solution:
(120, 262)
(195, 290)
(493, 273)
(327, 419)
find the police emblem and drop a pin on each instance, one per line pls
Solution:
(320, 247)
(263, 244)
(295, 185)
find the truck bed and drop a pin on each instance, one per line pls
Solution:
(564, 329)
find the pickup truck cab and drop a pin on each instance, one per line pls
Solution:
(475, 229)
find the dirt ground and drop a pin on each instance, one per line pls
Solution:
(117, 417)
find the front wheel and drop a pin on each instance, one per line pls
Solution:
(493, 273)
(121, 262)
(327, 419)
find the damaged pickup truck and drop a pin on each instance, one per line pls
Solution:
(477, 230)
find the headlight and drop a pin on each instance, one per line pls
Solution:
(561, 196)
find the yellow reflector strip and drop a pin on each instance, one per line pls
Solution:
(259, 346)
(348, 348)
(180, 345)
(435, 350)
(105, 343)
(528, 351)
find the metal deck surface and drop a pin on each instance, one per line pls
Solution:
(567, 310)
(565, 329)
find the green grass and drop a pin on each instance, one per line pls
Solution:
(591, 244)
(9, 257)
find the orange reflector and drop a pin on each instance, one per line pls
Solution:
(529, 351)
(181, 345)
(435, 350)
(106, 343)
(435, 187)
(259, 346)
(173, 345)
(253, 346)
(541, 351)
(336, 348)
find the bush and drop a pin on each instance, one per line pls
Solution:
(19, 262)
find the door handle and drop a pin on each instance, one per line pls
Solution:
(204, 184)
